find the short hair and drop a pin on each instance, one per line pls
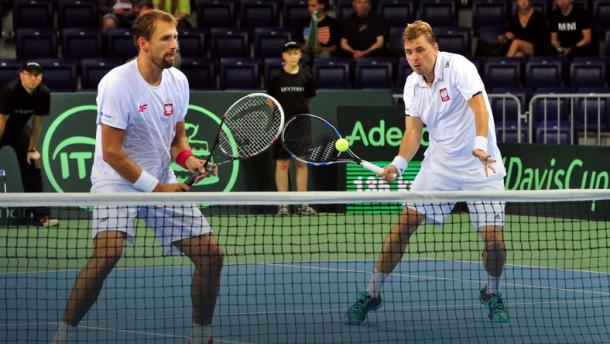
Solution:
(416, 29)
(327, 6)
(144, 25)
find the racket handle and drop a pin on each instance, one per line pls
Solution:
(192, 178)
(371, 167)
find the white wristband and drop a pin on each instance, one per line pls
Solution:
(480, 142)
(146, 182)
(400, 163)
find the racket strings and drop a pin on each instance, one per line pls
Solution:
(310, 138)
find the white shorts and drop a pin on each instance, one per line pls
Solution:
(171, 223)
(435, 177)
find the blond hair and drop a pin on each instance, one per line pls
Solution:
(416, 29)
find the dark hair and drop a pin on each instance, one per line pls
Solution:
(327, 6)
(144, 25)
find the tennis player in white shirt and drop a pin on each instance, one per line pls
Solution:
(141, 110)
(445, 93)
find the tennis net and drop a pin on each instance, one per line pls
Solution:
(291, 278)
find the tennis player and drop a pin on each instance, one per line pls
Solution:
(445, 93)
(141, 109)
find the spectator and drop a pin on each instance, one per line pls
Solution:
(181, 9)
(363, 32)
(527, 32)
(109, 21)
(571, 30)
(125, 10)
(19, 101)
(329, 30)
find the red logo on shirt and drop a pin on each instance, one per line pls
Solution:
(444, 94)
(168, 109)
(142, 107)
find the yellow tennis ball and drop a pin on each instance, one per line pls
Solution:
(342, 145)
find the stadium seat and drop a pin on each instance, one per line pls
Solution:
(374, 72)
(509, 132)
(592, 112)
(119, 44)
(343, 9)
(191, 42)
(544, 6)
(93, 70)
(201, 73)
(9, 70)
(229, 43)
(588, 72)
(544, 72)
(77, 13)
(396, 12)
(454, 40)
(438, 12)
(33, 43)
(294, 11)
(554, 132)
(239, 73)
(507, 108)
(582, 4)
(32, 13)
(394, 43)
(269, 42)
(332, 73)
(81, 43)
(215, 13)
(488, 13)
(601, 17)
(502, 72)
(271, 68)
(59, 74)
(258, 13)
(404, 70)
(544, 106)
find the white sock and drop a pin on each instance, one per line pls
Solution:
(63, 332)
(201, 333)
(374, 287)
(492, 284)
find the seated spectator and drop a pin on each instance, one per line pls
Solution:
(328, 34)
(181, 9)
(527, 32)
(571, 30)
(363, 32)
(109, 21)
(124, 10)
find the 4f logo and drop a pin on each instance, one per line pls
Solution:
(444, 94)
(168, 109)
(142, 107)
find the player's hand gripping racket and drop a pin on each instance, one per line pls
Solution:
(247, 129)
(311, 139)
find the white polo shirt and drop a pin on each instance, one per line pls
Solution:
(148, 115)
(443, 108)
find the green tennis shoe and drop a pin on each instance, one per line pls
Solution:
(357, 312)
(498, 311)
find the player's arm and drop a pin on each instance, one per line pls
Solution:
(182, 154)
(115, 156)
(408, 147)
(481, 122)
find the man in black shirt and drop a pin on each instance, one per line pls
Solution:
(363, 32)
(571, 30)
(19, 101)
(292, 87)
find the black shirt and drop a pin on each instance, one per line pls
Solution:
(569, 28)
(16, 102)
(362, 32)
(535, 30)
(293, 91)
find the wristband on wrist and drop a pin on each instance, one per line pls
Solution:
(480, 142)
(182, 156)
(400, 163)
(146, 182)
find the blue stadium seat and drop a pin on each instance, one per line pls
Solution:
(81, 43)
(488, 13)
(601, 15)
(215, 13)
(343, 9)
(59, 74)
(374, 72)
(269, 42)
(592, 112)
(404, 70)
(507, 109)
(294, 11)
(119, 44)
(33, 43)
(9, 70)
(551, 108)
(271, 68)
(332, 73)
(201, 73)
(191, 42)
(544, 72)
(239, 73)
(588, 72)
(453, 40)
(258, 13)
(77, 13)
(394, 41)
(396, 12)
(93, 70)
(544, 6)
(509, 132)
(32, 13)
(229, 43)
(554, 132)
(438, 12)
(502, 72)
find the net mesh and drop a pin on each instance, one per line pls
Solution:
(291, 279)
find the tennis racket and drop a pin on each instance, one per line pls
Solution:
(247, 129)
(311, 139)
